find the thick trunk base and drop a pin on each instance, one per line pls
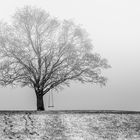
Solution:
(40, 103)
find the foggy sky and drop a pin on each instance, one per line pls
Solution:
(114, 27)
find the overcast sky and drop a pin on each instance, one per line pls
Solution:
(114, 27)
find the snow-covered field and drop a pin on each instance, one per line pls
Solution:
(69, 125)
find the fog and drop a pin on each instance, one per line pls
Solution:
(114, 27)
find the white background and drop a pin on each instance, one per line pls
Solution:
(114, 27)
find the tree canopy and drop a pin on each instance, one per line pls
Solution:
(44, 53)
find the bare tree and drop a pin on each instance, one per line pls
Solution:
(41, 52)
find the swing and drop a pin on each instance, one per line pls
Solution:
(51, 101)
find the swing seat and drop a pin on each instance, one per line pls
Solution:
(50, 106)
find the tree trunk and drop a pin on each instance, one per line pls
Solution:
(40, 103)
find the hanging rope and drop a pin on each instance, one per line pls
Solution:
(51, 100)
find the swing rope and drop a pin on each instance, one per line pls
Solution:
(51, 100)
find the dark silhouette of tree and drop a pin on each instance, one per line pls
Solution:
(41, 52)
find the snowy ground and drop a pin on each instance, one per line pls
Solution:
(69, 125)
